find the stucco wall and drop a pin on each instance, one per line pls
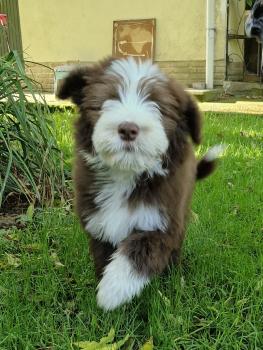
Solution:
(60, 31)
(236, 26)
(63, 30)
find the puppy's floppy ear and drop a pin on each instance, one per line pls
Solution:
(193, 119)
(72, 86)
(189, 110)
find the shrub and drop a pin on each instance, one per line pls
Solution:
(31, 164)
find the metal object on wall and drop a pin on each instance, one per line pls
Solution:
(210, 43)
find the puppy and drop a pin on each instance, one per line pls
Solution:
(254, 22)
(135, 170)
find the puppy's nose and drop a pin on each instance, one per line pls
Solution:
(128, 131)
(255, 30)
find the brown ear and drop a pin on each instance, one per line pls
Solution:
(72, 86)
(193, 119)
(188, 109)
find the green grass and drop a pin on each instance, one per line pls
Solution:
(64, 134)
(214, 300)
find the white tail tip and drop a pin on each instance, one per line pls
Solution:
(215, 152)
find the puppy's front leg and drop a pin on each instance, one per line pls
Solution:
(101, 252)
(139, 257)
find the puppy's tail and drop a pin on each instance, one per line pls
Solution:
(207, 164)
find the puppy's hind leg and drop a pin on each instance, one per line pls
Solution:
(139, 257)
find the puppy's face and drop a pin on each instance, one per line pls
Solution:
(254, 22)
(130, 112)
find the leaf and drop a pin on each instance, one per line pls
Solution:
(33, 247)
(182, 282)
(179, 320)
(259, 285)
(242, 302)
(109, 338)
(116, 346)
(30, 212)
(59, 264)
(3, 265)
(166, 301)
(213, 309)
(236, 210)
(104, 343)
(28, 216)
(123, 341)
(12, 237)
(56, 260)
(148, 345)
(194, 217)
(87, 345)
(10, 260)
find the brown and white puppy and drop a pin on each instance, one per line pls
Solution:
(135, 170)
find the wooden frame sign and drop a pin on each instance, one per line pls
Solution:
(134, 38)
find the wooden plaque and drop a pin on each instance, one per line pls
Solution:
(134, 38)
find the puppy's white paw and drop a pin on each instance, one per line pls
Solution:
(120, 283)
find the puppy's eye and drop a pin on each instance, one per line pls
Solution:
(94, 108)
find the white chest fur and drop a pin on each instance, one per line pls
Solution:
(115, 220)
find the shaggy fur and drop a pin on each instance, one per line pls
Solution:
(133, 185)
(254, 22)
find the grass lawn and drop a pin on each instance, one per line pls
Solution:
(214, 300)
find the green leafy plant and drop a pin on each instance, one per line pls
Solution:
(31, 164)
(250, 2)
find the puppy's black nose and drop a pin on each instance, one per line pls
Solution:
(255, 30)
(128, 131)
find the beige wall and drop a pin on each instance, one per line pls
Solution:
(55, 32)
(67, 30)
(236, 26)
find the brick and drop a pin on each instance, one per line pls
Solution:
(185, 72)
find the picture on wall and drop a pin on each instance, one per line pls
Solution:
(134, 38)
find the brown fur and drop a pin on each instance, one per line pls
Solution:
(101, 252)
(149, 252)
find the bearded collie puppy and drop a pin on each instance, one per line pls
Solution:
(135, 170)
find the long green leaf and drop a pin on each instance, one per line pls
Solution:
(27, 133)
